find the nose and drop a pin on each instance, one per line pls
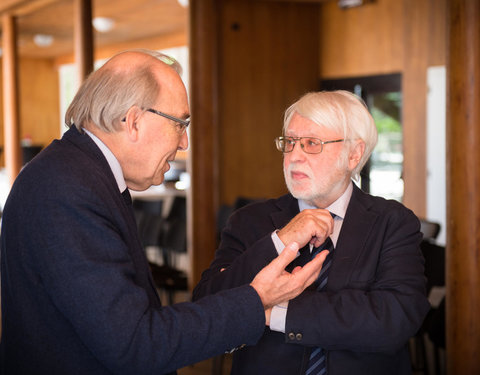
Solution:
(297, 154)
(183, 145)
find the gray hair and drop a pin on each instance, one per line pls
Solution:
(341, 111)
(108, 93)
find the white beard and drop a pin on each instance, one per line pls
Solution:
(317, 188)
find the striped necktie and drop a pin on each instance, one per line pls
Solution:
(317, 362)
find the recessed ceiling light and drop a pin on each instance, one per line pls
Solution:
(183, 3)
(349, 3)
(103, 24)
(43, 40)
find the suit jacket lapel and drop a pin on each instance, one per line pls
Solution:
(358, 223)
(287, 208)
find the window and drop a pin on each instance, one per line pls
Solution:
(382, 175)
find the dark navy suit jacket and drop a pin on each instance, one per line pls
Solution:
(77, 293)
(373, 303)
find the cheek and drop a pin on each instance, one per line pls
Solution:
(287, 159)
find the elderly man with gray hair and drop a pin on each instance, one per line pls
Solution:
(370, 296)
(77, 292)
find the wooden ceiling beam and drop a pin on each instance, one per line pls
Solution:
(23, 7)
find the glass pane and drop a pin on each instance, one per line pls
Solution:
(386, 162)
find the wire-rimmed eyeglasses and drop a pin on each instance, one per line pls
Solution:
(180, 124)
(310, 145)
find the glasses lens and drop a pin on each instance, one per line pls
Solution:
(180, 128)
(285, 144)
(280, 143)
(312, 145)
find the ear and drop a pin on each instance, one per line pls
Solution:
(356, 153)
(132, 119)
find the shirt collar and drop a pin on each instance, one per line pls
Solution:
(339, 207)
(111, 160)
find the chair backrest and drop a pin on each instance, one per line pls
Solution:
(149, 217)
(225, 211)
(175, 228)
(434, 264)
(429, 229)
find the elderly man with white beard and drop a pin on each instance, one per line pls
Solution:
(370, 296)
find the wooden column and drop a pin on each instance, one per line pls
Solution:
(83, 38)
(204, 133)
(463, 187)
(13, 160)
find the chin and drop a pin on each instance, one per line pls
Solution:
(300, 192)
(158, 182)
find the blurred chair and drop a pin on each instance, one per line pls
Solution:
(175, 230)
(173, 241)
(225, 211)
(429, 229)
(149, 217)
(29, 152)
(433, 326)
(168, 236)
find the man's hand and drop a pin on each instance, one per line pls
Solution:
(309, 226)
(274, 285)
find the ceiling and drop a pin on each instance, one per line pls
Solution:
(133, 21)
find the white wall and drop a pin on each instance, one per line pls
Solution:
(436, 148)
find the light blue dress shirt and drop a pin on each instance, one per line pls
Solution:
(111, 159)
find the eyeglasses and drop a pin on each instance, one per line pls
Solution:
(180, 124)
(309, 145)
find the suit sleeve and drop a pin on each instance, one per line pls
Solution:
(245, 248)
(382, 303)
(86, 268)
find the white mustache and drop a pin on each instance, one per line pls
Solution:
(294, 168)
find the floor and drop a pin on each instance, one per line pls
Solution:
(202, 368)
(223, 365)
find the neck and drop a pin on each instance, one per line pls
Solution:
(324, 201)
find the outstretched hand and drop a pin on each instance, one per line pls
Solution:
(274, 285)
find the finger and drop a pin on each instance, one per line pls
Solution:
(286, 257)
(296, 269)
(311, 270)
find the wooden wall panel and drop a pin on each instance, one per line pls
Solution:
(367, 40)
(268, 58)
(414, 90)
(39, 101)
(437, 33)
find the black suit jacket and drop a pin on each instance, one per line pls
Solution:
(373, 303)
(77, 293)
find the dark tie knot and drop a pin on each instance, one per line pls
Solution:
(127, 197)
